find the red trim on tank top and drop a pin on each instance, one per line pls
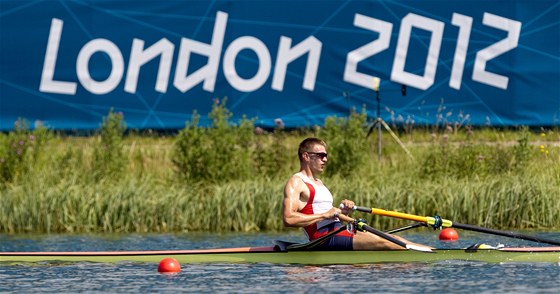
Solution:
(308, 208)
(311, 230)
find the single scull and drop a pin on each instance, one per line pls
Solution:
(278, 255)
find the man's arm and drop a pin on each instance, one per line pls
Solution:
(290, 206)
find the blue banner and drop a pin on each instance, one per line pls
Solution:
(65, 64)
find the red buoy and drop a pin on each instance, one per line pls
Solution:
(169, 265)
(448, 234)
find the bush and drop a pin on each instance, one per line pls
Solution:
(466, 160)
(271, 155)
(347, 142)
(218, 153)
(109, 160)
(20, 150)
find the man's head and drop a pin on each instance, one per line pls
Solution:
(313, 152)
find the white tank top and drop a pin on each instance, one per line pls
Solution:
(320, 198)
(320, 201)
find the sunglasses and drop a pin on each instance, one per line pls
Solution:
(321, 155)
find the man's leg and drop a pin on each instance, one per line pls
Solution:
(368, 241)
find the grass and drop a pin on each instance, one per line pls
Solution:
(110, 182)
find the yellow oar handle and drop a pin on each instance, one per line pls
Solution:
(422, 219)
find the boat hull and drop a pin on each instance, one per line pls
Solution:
(273, 256)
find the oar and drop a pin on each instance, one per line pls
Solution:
(316, 242)
(437, 222)
(312, 244)
(365, 227)
(412, 226)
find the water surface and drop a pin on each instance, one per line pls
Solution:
(446, 277)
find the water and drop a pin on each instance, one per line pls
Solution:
(446, 277)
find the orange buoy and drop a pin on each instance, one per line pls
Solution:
(448, 234)
(169, 265)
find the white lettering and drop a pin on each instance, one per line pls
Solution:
(139, 57)
(286, 55)
(436, 28)
(263, 56)
(47, 83)
(117, 68)
(354, 57)
(513, 28)
(208, 72)
(465, 24)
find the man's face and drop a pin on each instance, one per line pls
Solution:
(317, 158)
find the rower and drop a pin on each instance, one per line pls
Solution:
(308, 203)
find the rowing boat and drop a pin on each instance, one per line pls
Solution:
(307, 253)
(277, 255)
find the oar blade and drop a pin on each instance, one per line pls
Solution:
(418, 248)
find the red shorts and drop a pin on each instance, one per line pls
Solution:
(340, 241)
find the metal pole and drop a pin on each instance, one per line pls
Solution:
(378, 125)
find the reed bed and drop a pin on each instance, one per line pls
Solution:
(112, 182)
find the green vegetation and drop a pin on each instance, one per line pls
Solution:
(229, 177)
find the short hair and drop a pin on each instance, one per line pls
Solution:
(307, 144)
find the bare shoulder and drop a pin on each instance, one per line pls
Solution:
(293, 186)
(293, 181)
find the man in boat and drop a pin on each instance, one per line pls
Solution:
(309, 204)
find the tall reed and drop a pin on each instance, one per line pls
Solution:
(230, 176)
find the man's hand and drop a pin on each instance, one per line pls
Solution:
(333, 212)
(346, 206)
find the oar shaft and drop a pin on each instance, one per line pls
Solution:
(374, 231)
(505, 233)
(414, 225)
(447, 223)
(385, 236)
(312, 244)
